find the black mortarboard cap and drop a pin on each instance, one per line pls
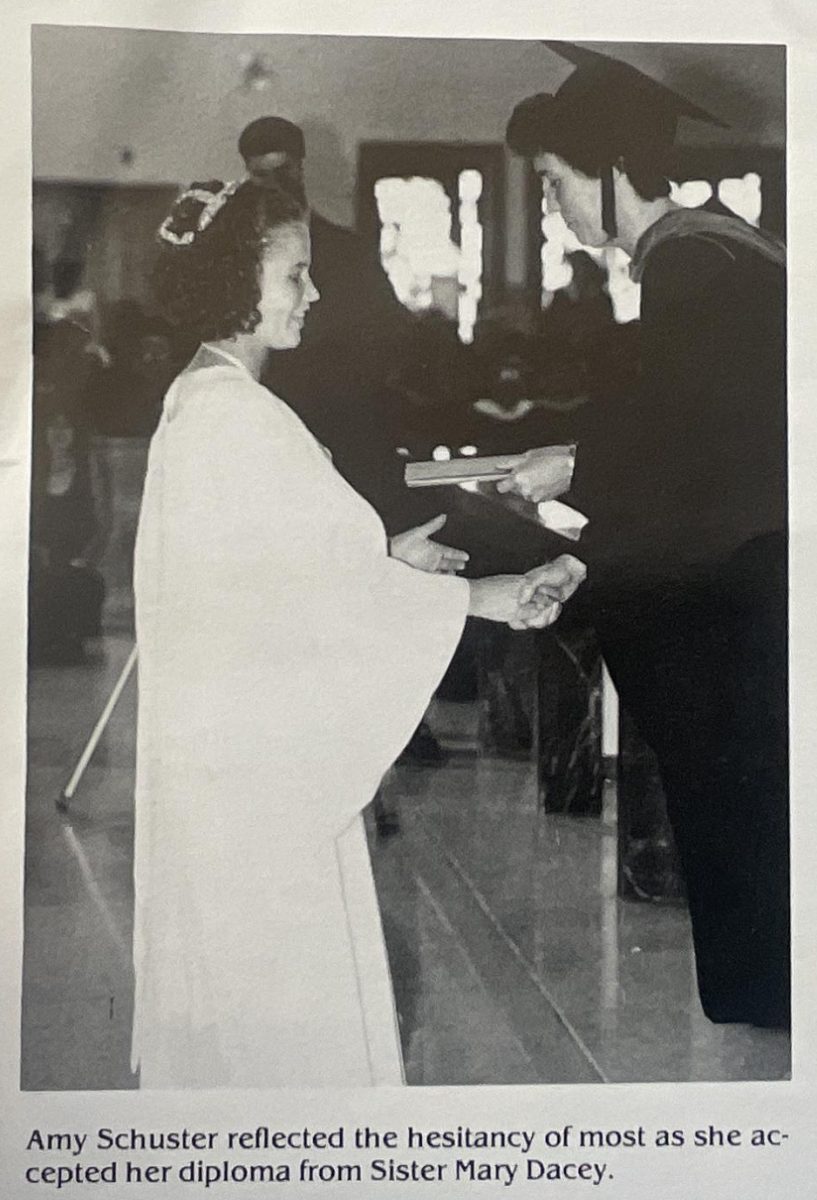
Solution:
(271, 135)
(606, 109)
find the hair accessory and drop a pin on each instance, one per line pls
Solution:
(211, 202)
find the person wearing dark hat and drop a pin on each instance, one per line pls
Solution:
(686, 495)
(337, 378)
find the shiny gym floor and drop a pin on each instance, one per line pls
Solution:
(513, 959)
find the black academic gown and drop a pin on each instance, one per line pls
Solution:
(688, 591)
(337, 380)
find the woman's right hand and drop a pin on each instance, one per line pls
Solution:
(554, 580)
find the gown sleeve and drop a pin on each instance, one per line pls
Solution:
(293, 649)
(692, 465)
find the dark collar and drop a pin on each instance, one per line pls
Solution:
(702, 223)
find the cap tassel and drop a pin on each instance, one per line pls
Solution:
(608, 203)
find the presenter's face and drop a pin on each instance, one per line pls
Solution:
(575, 195)
(287, 289)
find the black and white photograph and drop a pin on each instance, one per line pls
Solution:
(407, 604)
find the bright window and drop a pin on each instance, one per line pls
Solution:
(427, 269)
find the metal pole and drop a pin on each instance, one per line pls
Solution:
(79, 770)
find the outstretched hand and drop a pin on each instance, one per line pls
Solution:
(416, 548)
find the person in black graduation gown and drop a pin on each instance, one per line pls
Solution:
(341, 379)
(687, 544)
(338, 379)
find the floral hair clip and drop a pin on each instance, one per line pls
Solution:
(212, 203)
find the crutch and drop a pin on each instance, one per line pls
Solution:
(71, 786)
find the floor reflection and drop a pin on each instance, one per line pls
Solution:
(513, 959)
(586, 985)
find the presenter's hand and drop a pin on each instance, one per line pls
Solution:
(545, 589)
(416, 548)
(541, 474)
(553, 582)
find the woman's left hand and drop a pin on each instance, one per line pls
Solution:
(416, 548)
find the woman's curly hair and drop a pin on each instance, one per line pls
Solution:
(209, 287)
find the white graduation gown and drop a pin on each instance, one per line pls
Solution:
(284, 662)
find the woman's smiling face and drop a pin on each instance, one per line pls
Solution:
(287, 289)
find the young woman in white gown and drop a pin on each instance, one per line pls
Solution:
(285, 658)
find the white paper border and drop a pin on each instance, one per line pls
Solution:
(687, 1174)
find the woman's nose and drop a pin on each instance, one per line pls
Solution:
(312, 293)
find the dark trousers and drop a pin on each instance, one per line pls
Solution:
(701, 666)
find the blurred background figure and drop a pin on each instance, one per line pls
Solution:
(144, 358)
(67, 528)
(339, 377)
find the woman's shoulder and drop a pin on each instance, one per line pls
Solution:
(216, 377)
(214, 387)
(222, 403)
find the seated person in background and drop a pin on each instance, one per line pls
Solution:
(584, 357)
(144, 360)
(66, 593)
(70, 301)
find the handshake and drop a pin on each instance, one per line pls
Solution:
(531, 601)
